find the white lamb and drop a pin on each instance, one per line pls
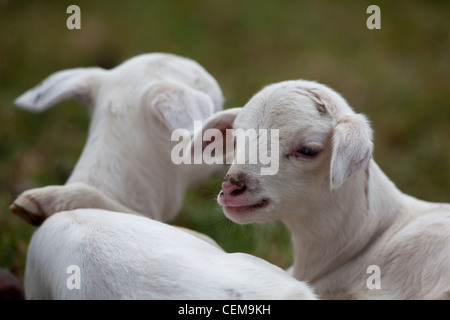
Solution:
(355, 235)
(125, 164)
(97, 254)
(126, 256)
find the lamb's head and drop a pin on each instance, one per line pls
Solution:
(136, 104)
(134, 109)
(149, 81)
(321, 144)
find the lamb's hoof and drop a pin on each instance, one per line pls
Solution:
(28, 209)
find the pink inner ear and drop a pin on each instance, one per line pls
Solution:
(220, 121)
(222, 124)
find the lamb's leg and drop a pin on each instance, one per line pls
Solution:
(36, 205)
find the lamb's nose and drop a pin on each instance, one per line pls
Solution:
(230, 189)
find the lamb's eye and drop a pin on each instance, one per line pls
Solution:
(307, 152)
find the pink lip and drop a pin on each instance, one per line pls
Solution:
(239, 205)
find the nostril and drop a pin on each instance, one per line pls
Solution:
(229, 188)
(238, 191)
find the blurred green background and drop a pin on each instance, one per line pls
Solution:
(398, 76)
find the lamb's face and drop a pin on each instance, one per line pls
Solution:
(304, 130)
(306, 127)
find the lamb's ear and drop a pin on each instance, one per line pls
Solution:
(78, 83)
(352, 148)
(178, 106)
(220, 122)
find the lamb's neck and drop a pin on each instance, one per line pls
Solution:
(345, 224)
(138, 180)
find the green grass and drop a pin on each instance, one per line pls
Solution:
(398, 76)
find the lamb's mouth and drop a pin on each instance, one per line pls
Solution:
(230, 209)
